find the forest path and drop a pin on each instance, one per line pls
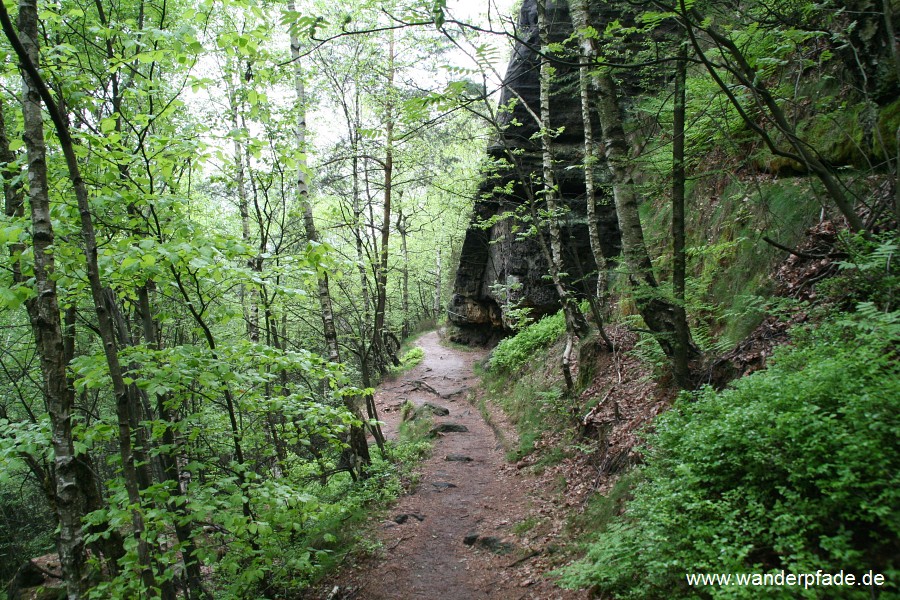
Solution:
(465, 489)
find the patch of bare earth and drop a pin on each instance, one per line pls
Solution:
(474, 526)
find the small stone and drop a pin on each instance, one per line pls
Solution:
(443, 485)
(495, 545)
(436, 410)
(403, 518)
(470, 539)
(448, 428)
(458, 458)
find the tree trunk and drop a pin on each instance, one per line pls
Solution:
(248, 297)
(588, 52)
(382, 352)
(357, 222)
(657, 312)
(358, 458)
(682, 332)
(43, 312)
(404, 256)
(165, 460)
(27, 51)
(436, 309)
(575, 322)
(230, 404)
(183, 521)
(888, 12)
(576, 325)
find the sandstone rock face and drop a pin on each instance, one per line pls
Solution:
(500, 268)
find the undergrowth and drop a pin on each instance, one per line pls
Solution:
(532, 397)
(791, 468)
(514, 352)
(410, 359)
(329, 521)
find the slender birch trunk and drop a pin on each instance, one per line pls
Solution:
(43, 311)
(404, 255)
(436, 307)
(359, 457)
(588, 53)
(576, 325)
(574, 318)
(383, 355)
(682, 333)
(248, 297)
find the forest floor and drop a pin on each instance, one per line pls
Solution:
(473, 525)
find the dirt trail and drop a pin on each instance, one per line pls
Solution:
(429, 546)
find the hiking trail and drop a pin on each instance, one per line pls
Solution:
(474, 526)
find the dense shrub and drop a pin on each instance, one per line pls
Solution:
(410, 359)
(793, 468)
(515, 351)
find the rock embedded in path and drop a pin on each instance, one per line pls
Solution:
(419, 384)
(458, 458)
(489, 543)
(436, 410)
(443, 485)
(495, 545)
(448, 428)
(403, 518)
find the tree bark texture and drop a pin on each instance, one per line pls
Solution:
(382, 352)
(44, 314)
(580, 19)
(404, 254)
(28, 53)
(657, 312)
(359, 447)
(682, 333)
(575, 322)
(436, 307)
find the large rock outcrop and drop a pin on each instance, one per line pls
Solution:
(501, 267)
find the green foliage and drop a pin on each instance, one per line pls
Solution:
(26, 526)
(514, 352)
(870, 274)
(409, 360)
(533, 400)
(417, 439)
(524, 526)
(728, 263)
(601, 511)
(791, 468)
(509, 296)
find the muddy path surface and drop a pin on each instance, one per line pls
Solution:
(473, 526)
